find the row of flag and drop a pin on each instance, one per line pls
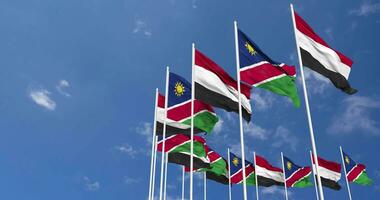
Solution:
(224, 170)
(187, 109)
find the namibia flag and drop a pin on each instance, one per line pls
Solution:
(356, 173)
(295, 175)
(179, 110)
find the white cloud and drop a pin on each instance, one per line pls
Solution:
(366, 8)
(127, 149)
(41, 97)
(142, 27)
(262, 100)
(91, 185)
(356, 116)
(315, 82)
(271, 191)
(194, 4)
(218, 126)
(129, 180)
(329, 32)
(145, 129)
(256, 131)
(62, 84)
(283, 137)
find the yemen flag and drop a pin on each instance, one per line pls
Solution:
(329, 172)
(179, 110)
(317, 55)
(237, 171)
(216, 87)
(258, 70)
(218, 167)
(295, 175)
(268, 175)
(178, 149)
(356, 173)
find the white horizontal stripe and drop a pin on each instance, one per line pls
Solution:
(326, 56)
(201, 158)
(253, 66)
(277, 176)
(269, 79)
(212, 82)
(328, 174)
(169, 122)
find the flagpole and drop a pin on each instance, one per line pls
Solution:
(183, 182)
(229, 174)
(192, 121)
(345, 172)
(283, 172)
(154, 163)
(153, 147)
(166, 174)
(164, 133)
(315, 181)
(307, 108)
(204, 186)
(240, 111)
(257, 183)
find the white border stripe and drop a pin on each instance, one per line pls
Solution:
(277, 176)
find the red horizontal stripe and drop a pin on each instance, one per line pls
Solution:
(304, 28)
(184, 111)
(161, 101)
(330, 165)
(172, 142)
(238, 177)
(206, 63)
(298, 176)
(212, 155)
(355, 172)
(260, 161)
(199, 139)
(260, 73)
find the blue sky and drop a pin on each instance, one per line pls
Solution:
(77, 88)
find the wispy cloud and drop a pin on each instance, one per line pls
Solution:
(355, 115)
(130, 180)
(329, 33)
(62, 85)
(255, 131)
(127, 149)
(283, 137)
(145, 129)
(262, 100)
(91, 185)
(142, 28)
(274, 191)
(42, 98)
(194, 4)
(366, 8)
(316, 83)
(218, 126)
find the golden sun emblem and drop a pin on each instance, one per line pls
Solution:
(250, 49)
(235, 161)
(347, 160)
(289, 165)
(179, 89)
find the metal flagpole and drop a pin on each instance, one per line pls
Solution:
(257, 183)
(315, 181)
(192, 121)
(307, 108)
(204, 186)
(240, 111)
(283, 170)
(164, 134)
(345, 172)
(153, 147)
(166, 174)
(183, 182)
(154, 163)
(229, 174)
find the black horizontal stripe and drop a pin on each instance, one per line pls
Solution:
(184, 159)
(329, 183)
(267, 182)
(220, 101)
(337, 79)
(170, 130)
(217, 178)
